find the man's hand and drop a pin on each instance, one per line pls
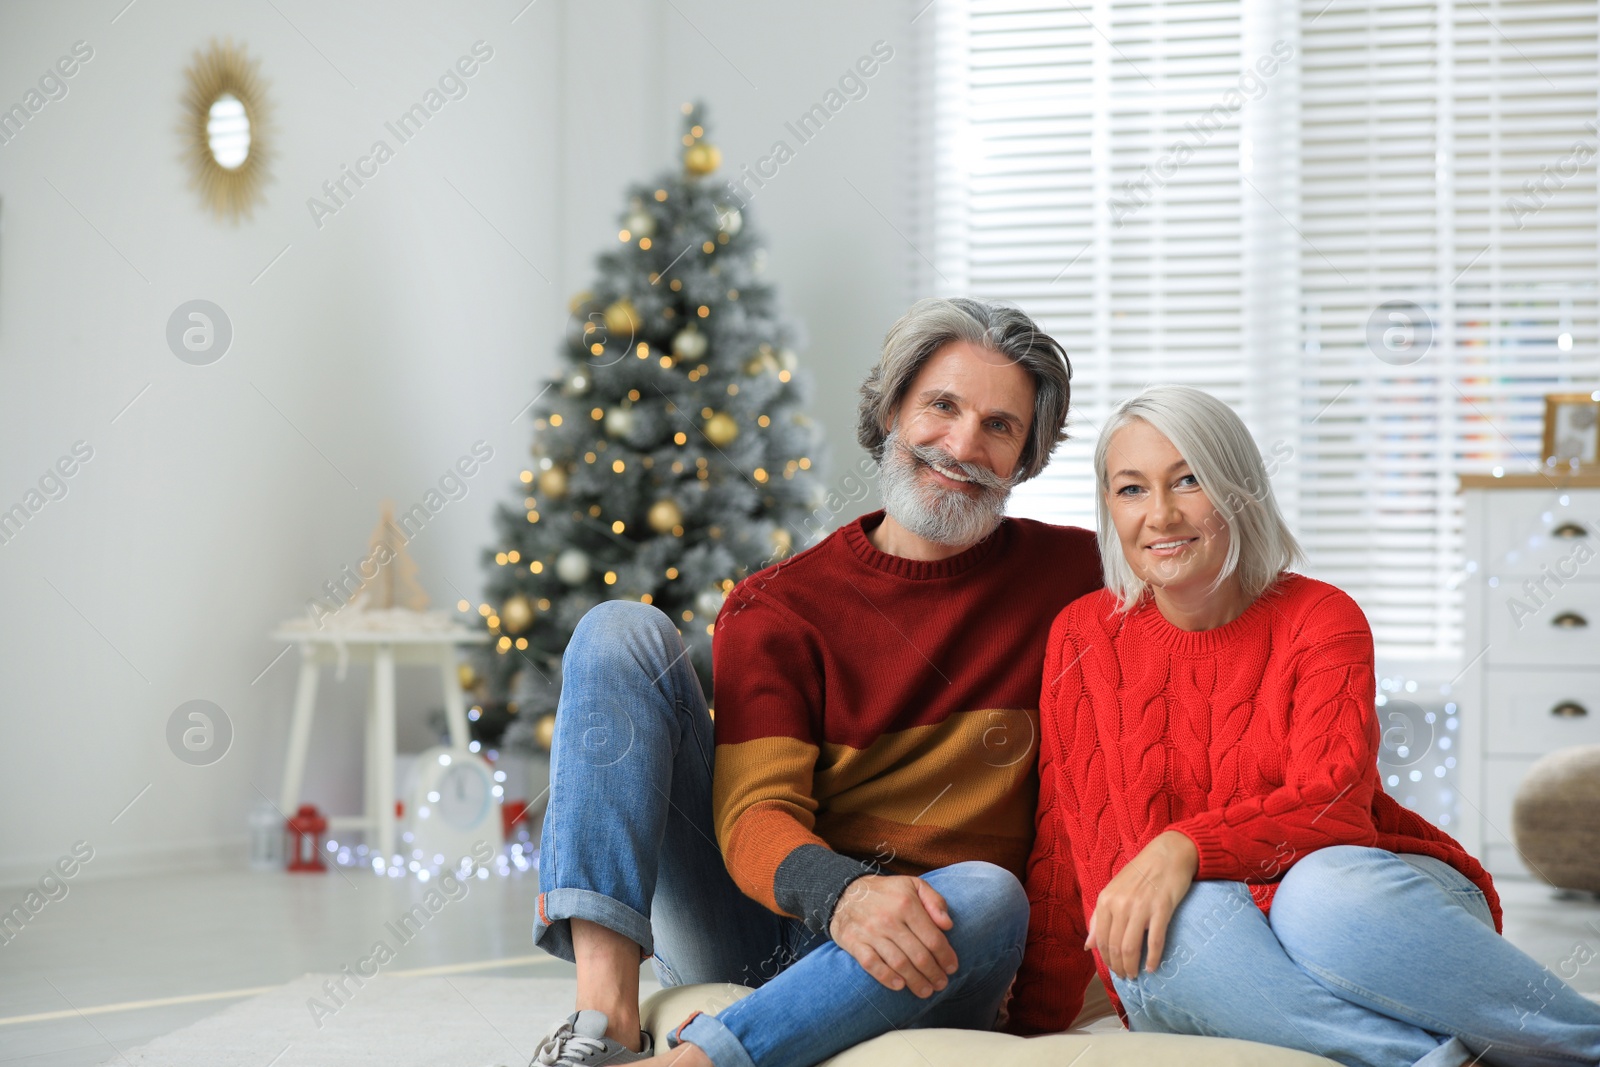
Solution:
(1142, 897)
(893, 925)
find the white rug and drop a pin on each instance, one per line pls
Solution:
(454, 1021)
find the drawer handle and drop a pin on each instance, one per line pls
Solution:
(1569, 709)
(1569, 530)
(1569, 620)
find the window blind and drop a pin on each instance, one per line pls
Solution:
(1061, 191)
(1430, 132)
(1243, 197)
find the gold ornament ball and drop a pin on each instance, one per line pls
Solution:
(466, 675)
(544, 731)
(782, 542)
(621, 318)
(701, 158)
(721, 429)
(580, 301)
(553, 483)
(516, 614)
(664, 514)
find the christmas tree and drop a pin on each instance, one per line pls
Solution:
(671, 458)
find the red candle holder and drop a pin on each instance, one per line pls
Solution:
(513, 812)
(306, 828)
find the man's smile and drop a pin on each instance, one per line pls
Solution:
(947, 475)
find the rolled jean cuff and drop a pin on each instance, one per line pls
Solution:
(552, 928)
(714, 1039)
(1451, 1053)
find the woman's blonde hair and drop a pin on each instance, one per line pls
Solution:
(1225, 461)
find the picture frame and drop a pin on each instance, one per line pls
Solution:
(1572, 429)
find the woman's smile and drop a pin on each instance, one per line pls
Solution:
(1170, 546)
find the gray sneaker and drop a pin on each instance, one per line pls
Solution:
(581, 1041)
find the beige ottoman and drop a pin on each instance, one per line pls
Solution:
(1096, 1027)
(1556, 818)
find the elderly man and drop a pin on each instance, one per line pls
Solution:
(856, 855)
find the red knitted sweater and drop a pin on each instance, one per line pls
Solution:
(1258, 740)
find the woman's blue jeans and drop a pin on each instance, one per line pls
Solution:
(629, 844)
(1369, 958)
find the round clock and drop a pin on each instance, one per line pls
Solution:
(454, 809)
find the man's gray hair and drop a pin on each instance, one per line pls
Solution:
(933, 323)
(1224, 459)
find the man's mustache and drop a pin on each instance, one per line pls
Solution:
(982, 477)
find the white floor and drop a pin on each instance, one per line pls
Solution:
(121, 941)
(117, 941)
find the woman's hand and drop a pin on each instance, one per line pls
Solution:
(1141, 898)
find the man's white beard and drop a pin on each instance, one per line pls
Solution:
(945, 516)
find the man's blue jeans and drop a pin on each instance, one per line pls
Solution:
(1368, 958)
(629, 844)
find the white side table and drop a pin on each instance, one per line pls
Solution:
(384, 644)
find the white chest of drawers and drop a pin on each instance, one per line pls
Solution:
(1531, 664)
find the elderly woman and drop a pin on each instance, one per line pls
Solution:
(1211, 823)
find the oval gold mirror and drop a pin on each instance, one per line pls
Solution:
(227, 142)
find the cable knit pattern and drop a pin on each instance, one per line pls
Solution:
(1258, 740)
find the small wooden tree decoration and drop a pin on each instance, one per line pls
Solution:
(395, 584)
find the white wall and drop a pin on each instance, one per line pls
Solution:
(370, 356)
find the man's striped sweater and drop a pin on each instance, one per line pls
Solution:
(877, 714)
